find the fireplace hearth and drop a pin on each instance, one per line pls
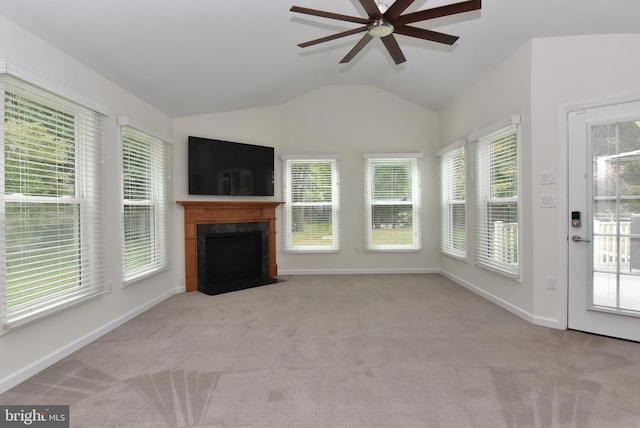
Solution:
(233, 256)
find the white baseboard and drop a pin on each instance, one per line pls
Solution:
(549, 322)
(32, 369)
(361, 271)
(527, 316)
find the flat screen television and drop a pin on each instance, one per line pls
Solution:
(218, 167)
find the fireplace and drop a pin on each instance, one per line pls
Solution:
(232, 256)
(227, 218)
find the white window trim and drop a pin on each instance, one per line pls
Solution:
(474, 139)
(127, 121)
(162, 265)
(310, 249)
(416, 203)
(89, 207)
(22, 73)
(458, 145)
(310, 157)
(462, 143)
(514, 119)
(394, 155)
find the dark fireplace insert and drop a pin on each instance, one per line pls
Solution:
(232, 256)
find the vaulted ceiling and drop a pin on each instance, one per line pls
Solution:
(189, 57)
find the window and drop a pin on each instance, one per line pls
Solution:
(312, 203)
(453, 220)
(145, 162)
(392, 202)
(50, 245)
(497, 240)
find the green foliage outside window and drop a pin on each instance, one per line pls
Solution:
(504, 171)
(616, 170)
(39, 161)
(311, 207)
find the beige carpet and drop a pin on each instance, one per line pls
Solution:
(342, 351)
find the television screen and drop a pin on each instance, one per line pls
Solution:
(219, 167)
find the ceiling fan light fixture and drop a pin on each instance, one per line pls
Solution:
(380, 28)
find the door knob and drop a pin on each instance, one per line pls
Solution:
(578, 238)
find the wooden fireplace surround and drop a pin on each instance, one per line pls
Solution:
(200, 212)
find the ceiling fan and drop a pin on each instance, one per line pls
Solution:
(384, 21)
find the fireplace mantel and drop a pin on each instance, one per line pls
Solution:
(201, 212)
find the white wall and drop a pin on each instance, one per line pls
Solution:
(349, 121)
(495, 97)
(538, 81)
(27, 350)
(566, 72)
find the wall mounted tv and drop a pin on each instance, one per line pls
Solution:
(219, 167)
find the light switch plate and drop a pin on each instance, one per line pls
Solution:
(547, 177)
(548, 200)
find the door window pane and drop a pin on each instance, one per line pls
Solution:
(616, 216)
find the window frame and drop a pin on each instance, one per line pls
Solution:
(483, 256)
(450, 166)
(158, 200)
(88, 138)
(370, 160)
(334, 204)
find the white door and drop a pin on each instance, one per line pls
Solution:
(604, 220)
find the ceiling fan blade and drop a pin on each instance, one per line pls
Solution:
(394, 49)
(371, 7)
(357, 48)
(333, 36)
(438, 12)
(329, 15)
(421, 33)
(396, 9)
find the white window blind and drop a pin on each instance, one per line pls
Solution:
(453, 220)
(145, 165)
(312, 203)
(497, 211)
(392, 202)
(50, 244)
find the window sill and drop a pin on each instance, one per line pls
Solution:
(312, 251)
(514, 277)
(144, 275)
(393, 250)
(462, 258)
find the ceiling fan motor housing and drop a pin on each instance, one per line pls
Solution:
(380, 28)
